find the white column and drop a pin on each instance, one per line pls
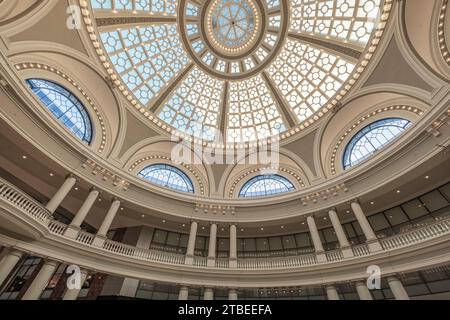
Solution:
(72, 294)
(184, 293)
(340, 234)
(397, 288)
(212, 245)
(208, 294)
(104, 228)
(372, 240)
(191, 243)
(106, 224)
(233, 247)
(232, 294)
(320, 253)
(8, 263)
(62, 192)
(74, 226)
(332, 293)
(40, 282)
(363, 291)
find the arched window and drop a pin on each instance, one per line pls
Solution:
(371, 139)
(265, 185)
(64, 106)
(167, 176)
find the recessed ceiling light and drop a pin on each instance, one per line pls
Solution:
(348, 211)
(371, 202)
(398, 191)
(164, 221)
(222, 229)
(282, 227)
(303, 222)
(262, 229)
(324, 218)
(76, 188)
(183, 225)
(24, 157)
(100, 199)
(242, 229)
(51, 174)
(203, 228)
(427, 177)
(121, 209)
(143, 216)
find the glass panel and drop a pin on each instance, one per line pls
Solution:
(414, 209)
(167, 176)
(371, 139)
(302, 240)
(434, 201)
(275, 243)
(64, 106)
(396, 216)
(378, 222)
(446, 190)
(262, 244)
(265, 185)
(160, 237)
(173, 239)
(289, 242)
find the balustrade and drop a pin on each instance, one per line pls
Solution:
(301, 257)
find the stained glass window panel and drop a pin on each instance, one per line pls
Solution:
(372, 138)
(65, 106)
(265, 185)
(167, 176)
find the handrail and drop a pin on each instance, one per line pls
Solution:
(20, 199)
(29, 206)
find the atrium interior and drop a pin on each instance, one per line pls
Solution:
(224, 150)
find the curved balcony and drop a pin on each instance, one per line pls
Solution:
(84, 241)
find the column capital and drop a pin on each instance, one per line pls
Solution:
(14, 252)
(332, 209)
(51, 262)
(114, 199)
(71, 175)
(93, 188)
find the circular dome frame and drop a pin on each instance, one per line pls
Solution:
(292, 129)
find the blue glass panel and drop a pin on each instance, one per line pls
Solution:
(167, 176)
(64, 106)
(371, 139)
(265, 185)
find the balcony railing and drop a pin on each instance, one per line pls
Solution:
(18, 198)
(13, 196)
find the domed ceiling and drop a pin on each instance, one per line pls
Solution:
(249, 70)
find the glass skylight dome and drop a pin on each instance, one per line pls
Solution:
(248, 70)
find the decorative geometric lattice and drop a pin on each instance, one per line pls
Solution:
(274, 59)
(148, 6)
(371, 139)
(348, 20)
(64, 106)
(146, 58)
(233, 22)
(308, 77)
(167, 176)
(194, 107)
(252, 114)
(265, 185)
